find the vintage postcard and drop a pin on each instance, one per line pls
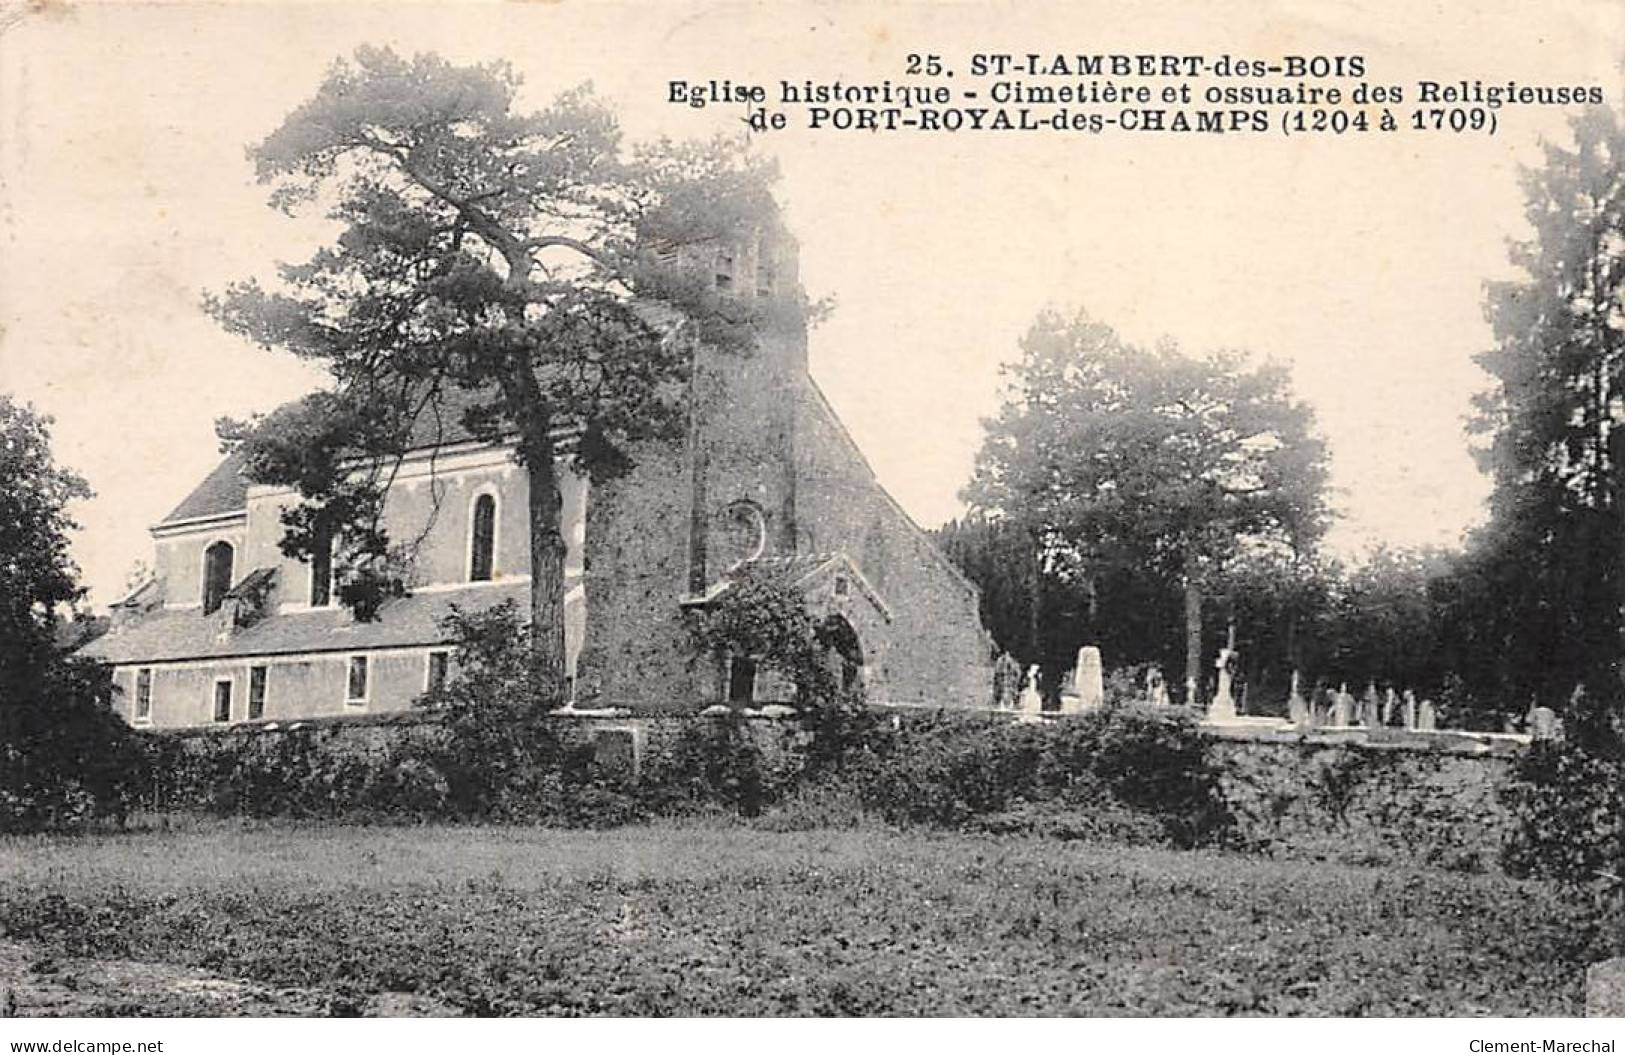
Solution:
(821, 509)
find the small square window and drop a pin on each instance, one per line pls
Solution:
(256, 692)
(355, 689)
(143, 694)
(222, 700)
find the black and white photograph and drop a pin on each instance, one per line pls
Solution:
(728, 510)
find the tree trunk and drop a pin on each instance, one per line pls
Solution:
(547, 551)
(547, 548)
(1035, 605)
(1193, 637)
(1616, 443)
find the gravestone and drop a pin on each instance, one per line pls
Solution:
(1089, 681)
(1031, 702)
(1156, 689)
(1543, 723)
(1006, 681)
(1223, 706)
(1297, 708)
(1427, 719)
(1342, 707)
(1321, 704)
(1605, 989)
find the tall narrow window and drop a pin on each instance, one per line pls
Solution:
(742, 680)
(434, 679)
(256, 692)
(321, 572)
(216, 575)
(355, 686)
(222, 700)
(143, 694)
(482, 538)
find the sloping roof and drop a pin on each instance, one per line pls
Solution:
(223, 491)
(821, 404)
(788, 570)
(169, 634)
(794, 571)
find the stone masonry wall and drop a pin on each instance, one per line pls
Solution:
(1310, 797)
(1360, 800)
(934, 649)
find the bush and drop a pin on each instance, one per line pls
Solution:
(1567, 801)
(713, 763)
(947, 769)
(492, 754)
(66, 760)
(1568, 809)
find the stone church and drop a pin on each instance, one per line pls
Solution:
(768, 483)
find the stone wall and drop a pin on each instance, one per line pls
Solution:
(931, 647)
(1343, 798)
(1355, 797)
(766, 469)
(667, 529)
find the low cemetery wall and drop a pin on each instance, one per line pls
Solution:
(1373, 796)
(1354, 795)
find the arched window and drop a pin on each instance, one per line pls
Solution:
(216, 575)
(482, 532)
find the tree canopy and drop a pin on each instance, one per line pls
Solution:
(64, 757)
(525, 262)
(1542, 583)
(37, 576)
(1111, 456)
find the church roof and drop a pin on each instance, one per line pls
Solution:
(170, 634)
(223, 491)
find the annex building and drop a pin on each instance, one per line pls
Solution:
(767, 483)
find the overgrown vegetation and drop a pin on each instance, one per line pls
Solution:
(1567, 799)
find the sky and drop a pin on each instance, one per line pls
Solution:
(1360, 260)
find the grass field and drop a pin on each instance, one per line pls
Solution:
(730, 920)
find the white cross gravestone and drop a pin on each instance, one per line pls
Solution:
(1031, 701)
(1223, 707)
